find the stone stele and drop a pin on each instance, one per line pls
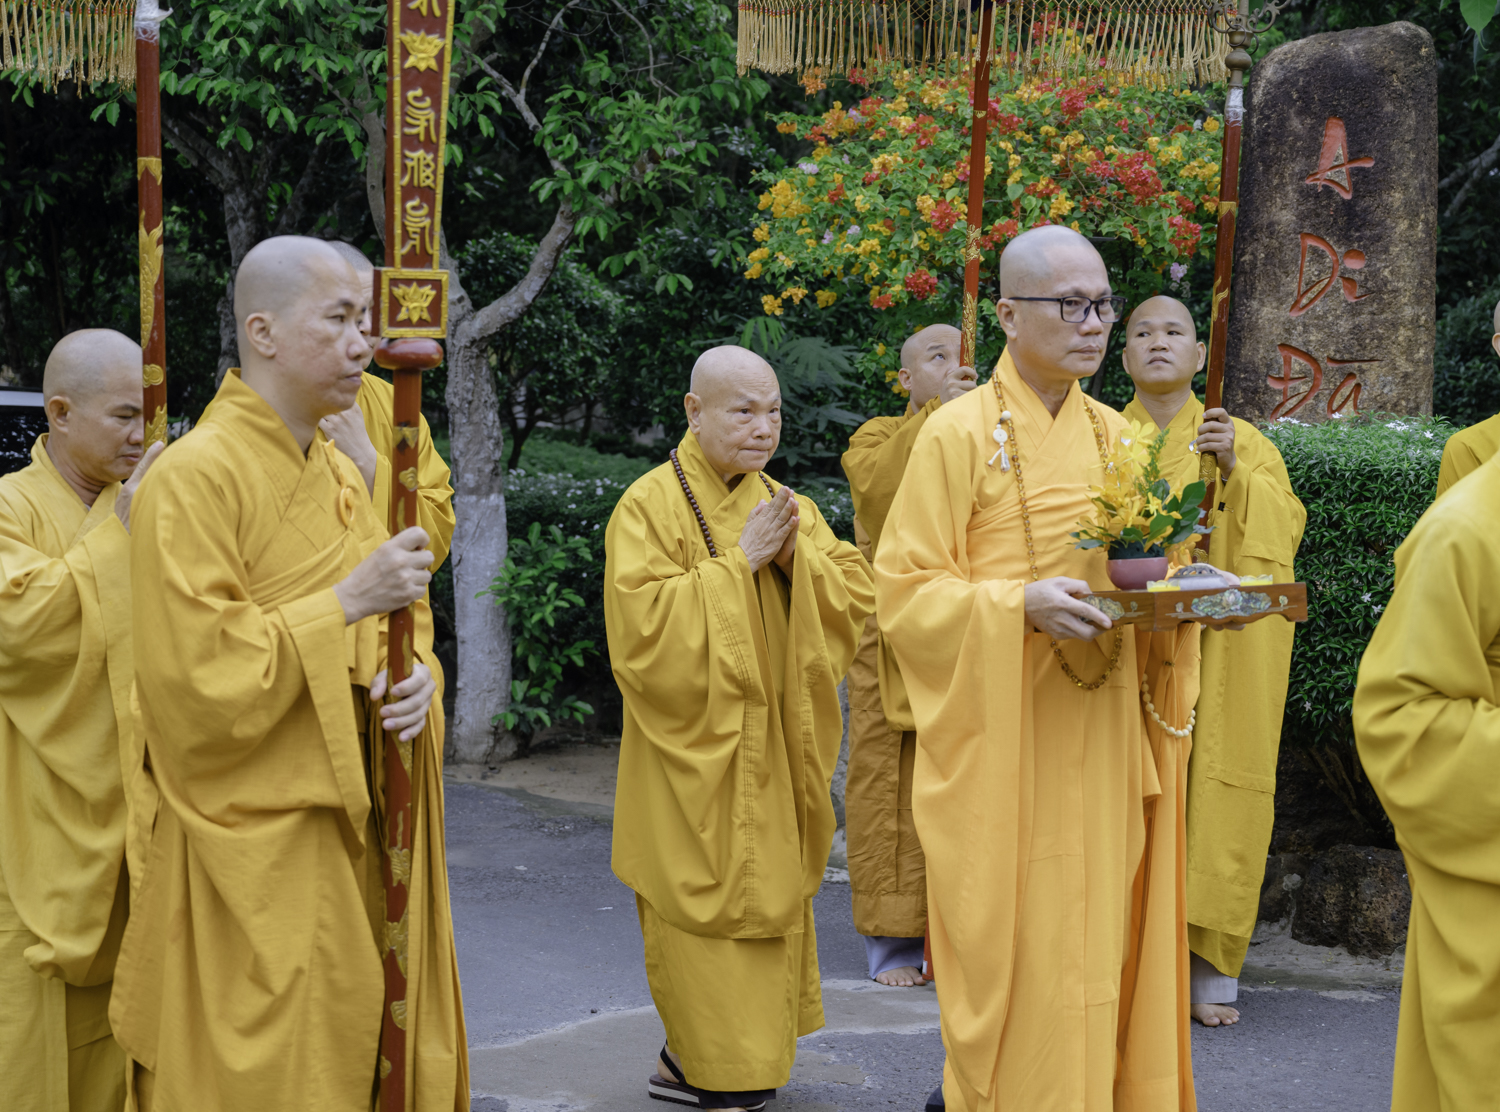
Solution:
(1333, 306)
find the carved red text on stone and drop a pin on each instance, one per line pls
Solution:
(1335, 167)
(1311, 291)
(1297, 389)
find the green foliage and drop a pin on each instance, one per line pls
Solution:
(548, 453)
(531, 589)
(1364, 481)
(1465, 368)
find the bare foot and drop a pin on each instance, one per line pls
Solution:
(904, 976)
(1214, 1015)
(667, 1075)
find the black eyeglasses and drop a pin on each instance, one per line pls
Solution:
(1075, 310)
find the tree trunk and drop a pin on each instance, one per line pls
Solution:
(479, 541)
(245, 227)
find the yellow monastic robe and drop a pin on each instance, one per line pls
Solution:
(1427, 720)
(250, 975)
(1232, 776)
(1467, 451)
(1051, 816)
(65, 729)
(723, 819)
(887, 874)
(377, 401)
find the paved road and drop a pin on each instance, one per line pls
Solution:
(560, 1017)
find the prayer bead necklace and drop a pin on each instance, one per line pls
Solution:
(713, 552)
(1186, 731)
(1014, 457)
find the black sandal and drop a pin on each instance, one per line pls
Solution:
(935, 1101)
(676, 1090)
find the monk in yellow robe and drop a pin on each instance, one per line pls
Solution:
(1048, 791)
(1257, 528)
(887, 876)
(732, 612)
(1427, 722)
(365, 433)
(250, 976)
(65, 727)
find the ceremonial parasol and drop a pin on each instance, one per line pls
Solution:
(110, 41)
(410, 314)
(1157, 42)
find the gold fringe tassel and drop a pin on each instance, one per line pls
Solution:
(1153, 42)
(61, 39)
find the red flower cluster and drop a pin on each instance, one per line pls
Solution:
(1005, 123)
(943, 216)
(1185, 235)
(1076, 99)
(837, 194)
(881, 301)
(1136, 172)
(921, 285)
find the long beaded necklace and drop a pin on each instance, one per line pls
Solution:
(1007, 436)
(713, 552)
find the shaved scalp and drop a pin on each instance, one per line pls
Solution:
(1161, 307)
(1497, 316)
(280, 271)
(353, 256)
(718, 366)
(87, 362)
(1033, 258)
(911, 351)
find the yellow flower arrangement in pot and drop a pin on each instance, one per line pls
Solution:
(1136, 517)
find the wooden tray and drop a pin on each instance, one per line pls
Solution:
(1215, 607)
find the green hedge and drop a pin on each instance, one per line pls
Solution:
(1364, 482)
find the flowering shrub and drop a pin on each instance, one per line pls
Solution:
(877, 209)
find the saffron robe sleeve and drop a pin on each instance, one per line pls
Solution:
(1468, 450)
(1232, 776)
(65, 741)
(1427, 722)
(732, 726)
(876, 461)
(1061, 961)
(255, 810)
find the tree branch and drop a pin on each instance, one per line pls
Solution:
(650, 53)
(291, 216)
(1472, 171)
(213, 162)
(509, 306)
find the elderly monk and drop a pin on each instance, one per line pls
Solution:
(1467, 451)
(250, 976)
(732, 612)
(1257, 528)
(1048, 791)
(886, 873)
(65, 727)
(1427, 721)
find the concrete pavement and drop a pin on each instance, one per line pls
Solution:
(560, 1017)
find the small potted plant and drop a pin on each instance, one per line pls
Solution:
(1136, 517)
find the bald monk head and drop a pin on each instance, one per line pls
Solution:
(1162, 349)
(1054, 343)
(298, 306)
(931, 365)
(1495, 339)
(364, 269)
(734, 408)
(92, 394)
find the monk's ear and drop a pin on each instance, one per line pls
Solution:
(693, 405)
(903, 376)
(1495, 342)
(1005, 313)
(1203, 354)
(57, 410)
(258, 333)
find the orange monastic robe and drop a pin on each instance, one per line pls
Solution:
(1051, 816)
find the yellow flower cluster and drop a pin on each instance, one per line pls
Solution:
(772, 305)
(1124, 499)
(826, 298)
(796, 293)
(762, 233)
(1061, 206)
(783, 201)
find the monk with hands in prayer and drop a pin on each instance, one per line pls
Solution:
(251, 972)
(732, 612)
